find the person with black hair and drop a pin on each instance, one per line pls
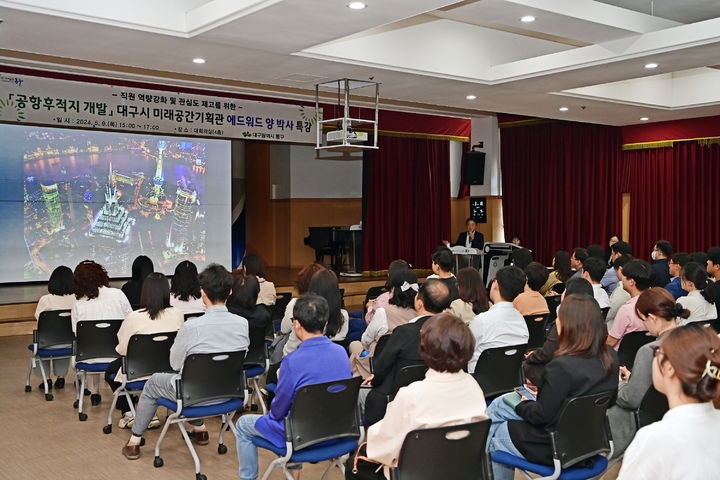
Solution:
(530, 301)
(619, 295)
(404, 287)
(384, 299)
(470, 238)
(142, 267)
(402, 349)
(502, 325)
(579, 255)
(515, 240)
(185, 288)
(610, 280)
(713, 263)
(154, 316)
(637, 276)
(316, 360)
(59, 297)
(243, 301)
(442, 262)
(699, 257)
(253, 265)
(217, 330)
(596, 251)
(661, 253)
(473, 295)
(521, 258)
(676, 264)
(700, 299)
(561, 272)
(593, 271)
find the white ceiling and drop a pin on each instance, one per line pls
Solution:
(428, 54)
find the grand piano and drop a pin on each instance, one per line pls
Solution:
(339, 243)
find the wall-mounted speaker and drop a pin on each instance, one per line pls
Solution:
(474, 168)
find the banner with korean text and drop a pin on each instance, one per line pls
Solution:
(66, 103)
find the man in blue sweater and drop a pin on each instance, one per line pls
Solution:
(317, 360)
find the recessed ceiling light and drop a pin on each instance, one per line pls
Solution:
(471, 97)
(563, 109)
(651, 65)
(527, 19)
(198, 60)
(644, 119)
(356, 5)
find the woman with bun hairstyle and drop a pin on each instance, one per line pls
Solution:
(700, 300)
(658, 310)
(683, 445)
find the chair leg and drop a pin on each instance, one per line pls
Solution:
(130, 402)
(186, 437)
(116, 394)
(256, 391)
(44, 377)
(29, 374)
(335, 462)
(277, 463)
(163, 432)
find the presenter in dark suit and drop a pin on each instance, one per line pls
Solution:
(469, 238)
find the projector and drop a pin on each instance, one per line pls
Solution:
(352, 136)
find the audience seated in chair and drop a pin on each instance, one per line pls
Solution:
(531, 301)
(637, 276)
(404, 287)
(583, 364)
(316, 360)
(142, 267)
(442, 264)
(713, 263)
(155, 316)
(658, 310)
(402, 349)
(578, 257)
(593, 271)
(252, 265)
(60, 296)
(383, 300)
(700, 299)
(217, 330)
(473, 298)
(561, 272)
(610, 280)
(185, 288)
(686, 369)
(447, 396)
(677, 263)
(536, 360)
(619, 295)
(502, 325)
(243, 301)
(325, 284)
(302, 284)
(661, 253)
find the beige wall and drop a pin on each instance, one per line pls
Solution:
(460, 210)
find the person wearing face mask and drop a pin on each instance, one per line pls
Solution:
(661, 253)
(686, 368)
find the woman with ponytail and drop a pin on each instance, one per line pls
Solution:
(683, 445)
(700, 299)
(659, 312)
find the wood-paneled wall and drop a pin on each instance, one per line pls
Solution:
(460, 210)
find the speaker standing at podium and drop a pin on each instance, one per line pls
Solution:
(469, 238)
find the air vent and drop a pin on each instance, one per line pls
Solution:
(302, 78)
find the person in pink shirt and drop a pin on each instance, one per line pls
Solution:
(384, 299)
(637, 277)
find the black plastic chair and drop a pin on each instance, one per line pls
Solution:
(257, 363)
(553, 302)
(579, 439)
(536, 325)
(278, 311)
(605, 312)
(94, 350)
(216, 379)
(190, 315)
(499, 370)
(146, 354)
(406, 376)
(558, 288)
(382, 341)
(324, 413)
(629, 346)
(653, 407)
(461, 447)
(52, 339)
(372, 294)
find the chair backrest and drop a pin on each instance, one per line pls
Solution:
(372, 294)
(553, 301)
(499, 370)
(605, 311)
(461, 447)
(406, 376)
(281, 303)
(652, 408)
(536, 327)
(148, 354)
(190, 315)
(382, 341)
(323, 412)
(582, 429)
(54, 328)
(96, 339)
(558, 288)
(211, 376)
(630, 344)
(257, 353)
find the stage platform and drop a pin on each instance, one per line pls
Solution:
(18, 301)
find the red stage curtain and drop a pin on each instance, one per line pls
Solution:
(407, 202)
(463, 189)
(560, 187)
(673, 196)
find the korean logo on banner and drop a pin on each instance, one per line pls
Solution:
(65, 103)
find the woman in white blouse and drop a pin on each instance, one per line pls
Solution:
(252, 264)
(60, 296)
(95, 300)
(686, 368)
(447, 396)
(155, 316)
(185, 288)
(700, 299)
